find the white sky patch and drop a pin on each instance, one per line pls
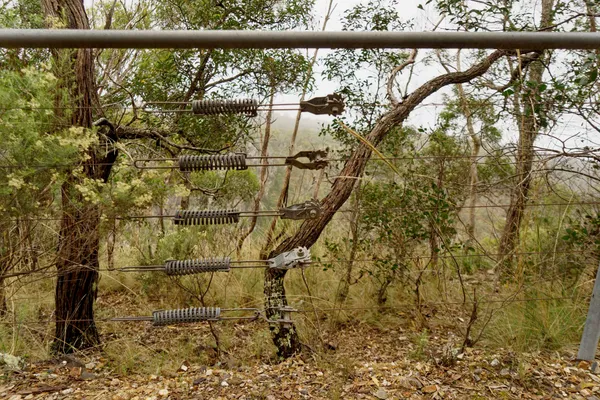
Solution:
(425, 115)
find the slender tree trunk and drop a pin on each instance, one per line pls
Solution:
(264, 152)
(111, 242)
(79, 238)
(31, 250)
(528, 131)
(7, 249)
(310, 230)
(184, 202)
(382, 291)
(434, 230)
(354, 224)
(288, 172)
(475, 148)
(3, 305)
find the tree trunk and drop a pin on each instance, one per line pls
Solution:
(311, 229)
(3, 305)
(283, 196)
(264, 169)
(528, 131)
(284, 337)
(475, 148)
(7, 250)
(77, 265)
(344, 289)
(184, 203)
(77, 262)
(111, 242)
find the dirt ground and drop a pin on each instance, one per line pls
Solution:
(360, 363)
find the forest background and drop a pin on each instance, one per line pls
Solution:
(478, 213)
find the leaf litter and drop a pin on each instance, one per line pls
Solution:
(368, 363)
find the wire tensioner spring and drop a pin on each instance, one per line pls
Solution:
(197, 266)
(307, 210)
(186, 315)
(298, 257)
(331, 104)
(210, 162)
(206, 217)
(191, 315)
(236, 161)
(247, 107)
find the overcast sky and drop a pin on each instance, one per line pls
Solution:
(422, 20)
(425, 116)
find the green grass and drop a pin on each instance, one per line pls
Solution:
(538, 325)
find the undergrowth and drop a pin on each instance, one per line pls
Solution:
(441, 301)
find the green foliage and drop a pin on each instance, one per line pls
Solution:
(483, 113)
(420, 343)
(404, 217)
(496, 167)
(25, 14)
(364, 92)
(226, 190)
(584, 230)
(28, 154)
(21, 14)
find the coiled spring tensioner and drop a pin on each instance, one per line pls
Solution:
(235, 161)
(307, 210)
(332, 104)
(299, 257)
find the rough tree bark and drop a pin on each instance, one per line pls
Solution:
(528, 131)
(475, 148)
(285, 339)
(77, 261)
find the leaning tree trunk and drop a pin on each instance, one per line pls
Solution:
(286, 339)
(77, 262)
(528, 131)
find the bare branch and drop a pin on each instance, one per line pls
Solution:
(310, 230)
(516, 73)
(395, 72)
(127, 132)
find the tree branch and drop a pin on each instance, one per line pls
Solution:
(395, 72)
(516, 73)
(310, 230)
(127, 132)
(225, 80)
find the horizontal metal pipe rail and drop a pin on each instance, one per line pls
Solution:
(209, 39)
